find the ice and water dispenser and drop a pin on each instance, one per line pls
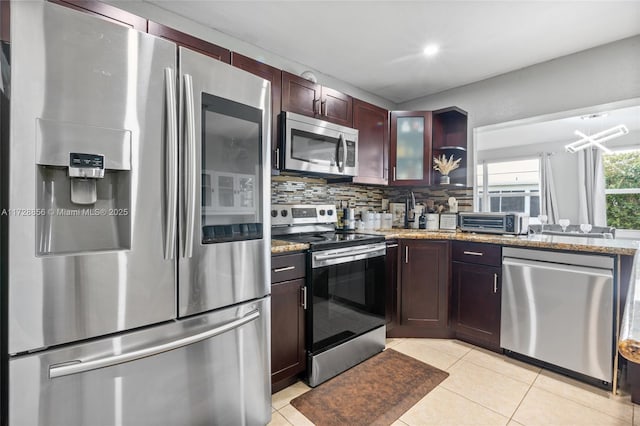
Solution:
(83, 188)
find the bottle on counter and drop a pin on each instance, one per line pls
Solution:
(422, 221)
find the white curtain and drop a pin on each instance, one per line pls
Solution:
(591, 185)
(548, 200)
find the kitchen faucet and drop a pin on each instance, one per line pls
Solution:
(409, 209)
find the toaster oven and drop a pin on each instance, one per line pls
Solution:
(495, 223)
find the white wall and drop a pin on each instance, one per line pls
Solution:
(161, 16)
(597, 76)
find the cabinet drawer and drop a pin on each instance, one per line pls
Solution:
(480, 253)
(287, 267)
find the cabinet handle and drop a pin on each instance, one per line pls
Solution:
(394, 173)
(285, 268)
(473, 253)
(278, 158)
(406, 254)
(323, 108)
(495, 283)
(315, 106)
(304, 297)
(392, 245)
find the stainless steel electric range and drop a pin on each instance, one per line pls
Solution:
(345, 321)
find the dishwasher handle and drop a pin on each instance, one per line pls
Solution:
(508, 261)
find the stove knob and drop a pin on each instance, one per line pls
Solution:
(329, 212)
(274, 213)
(321, 212)
(284, 213)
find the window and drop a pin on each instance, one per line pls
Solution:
(509, 186)
(622, 176)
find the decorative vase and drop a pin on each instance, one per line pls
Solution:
(444, 179)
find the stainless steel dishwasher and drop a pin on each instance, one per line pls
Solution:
(558, 308)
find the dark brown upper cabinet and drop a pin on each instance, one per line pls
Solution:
(311, 99)
(106, 11)
(274, 75)
(450, 140)
(190, 42)
(372, 123)
(410, 160)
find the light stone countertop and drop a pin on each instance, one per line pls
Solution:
(590, 245)
(279, 246)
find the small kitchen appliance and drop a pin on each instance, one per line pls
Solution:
(317, 146)
(494, 222)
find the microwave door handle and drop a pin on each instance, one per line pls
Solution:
(343, 160)
(171, 166)
(190, 164)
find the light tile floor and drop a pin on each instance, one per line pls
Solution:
(485, 388)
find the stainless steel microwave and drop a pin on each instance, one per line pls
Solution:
(316, 146)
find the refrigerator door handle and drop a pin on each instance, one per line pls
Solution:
(78, 366)
(190, 165)
(171, 170)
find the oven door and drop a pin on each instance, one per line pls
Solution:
(316, 146)
(347, 295)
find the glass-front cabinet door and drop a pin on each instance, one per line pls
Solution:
(410, 156)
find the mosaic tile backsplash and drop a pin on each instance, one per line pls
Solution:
(295, 189)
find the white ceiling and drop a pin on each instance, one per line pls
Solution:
(377, 45)
(561, 131)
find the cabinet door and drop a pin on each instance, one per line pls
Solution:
(299, 95)
(372, 123)
(424, 284)
(190, 42)
(410, 153)
(476, 307)
(273, 75)
(105, 11)
(336, 107)
(287, 332)
(391, 284)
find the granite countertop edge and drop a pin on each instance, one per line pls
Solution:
(589, 245)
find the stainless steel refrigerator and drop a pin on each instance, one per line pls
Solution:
(138, 256)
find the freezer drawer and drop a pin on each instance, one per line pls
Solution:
(219, 380)
(560, 313)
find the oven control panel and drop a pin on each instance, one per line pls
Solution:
(301, 214)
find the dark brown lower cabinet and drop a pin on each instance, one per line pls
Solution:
(288, 358)
(477, 301)
(423, 309)
(391, 287)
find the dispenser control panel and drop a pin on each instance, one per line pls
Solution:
(86, 160)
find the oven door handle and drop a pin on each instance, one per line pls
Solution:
(336, 258)
(351, 253)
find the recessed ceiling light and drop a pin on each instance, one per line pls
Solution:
(431, 50)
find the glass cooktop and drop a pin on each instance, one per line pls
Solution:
(325, 240)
